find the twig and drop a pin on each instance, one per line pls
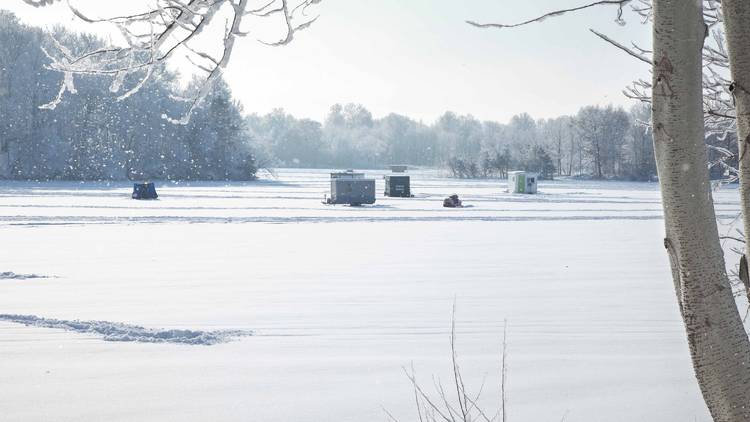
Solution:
(622, 47)
(460, 389)
(503, 371)
(467, 409)
(390, 416)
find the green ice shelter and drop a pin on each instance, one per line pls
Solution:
(522, 182)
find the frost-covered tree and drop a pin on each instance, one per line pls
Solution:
(557, 135)
(541, 162)
(602, 132)
(291, 142)
(735, 16)
(218, 146)
(639, 148)
(405, 140)
(718, 342)
(91, 137)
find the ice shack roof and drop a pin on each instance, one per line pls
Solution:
(349, 174)
(530, 173)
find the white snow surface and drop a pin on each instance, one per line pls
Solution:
(337, 309)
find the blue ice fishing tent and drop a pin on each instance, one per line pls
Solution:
(144, 191)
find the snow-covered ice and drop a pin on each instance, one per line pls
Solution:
(339, 299)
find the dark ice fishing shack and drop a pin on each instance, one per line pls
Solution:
(349, 187)
(144, 191)
(398, 184)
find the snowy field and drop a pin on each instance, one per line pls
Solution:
(255, 302)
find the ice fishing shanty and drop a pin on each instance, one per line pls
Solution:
(397, 184)
(522, 182)
(348, 187)
(144, 191)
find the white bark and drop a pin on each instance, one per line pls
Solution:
(737, 32)
(719, 346)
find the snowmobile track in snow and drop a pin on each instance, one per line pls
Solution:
(114, 331)
(10, 275)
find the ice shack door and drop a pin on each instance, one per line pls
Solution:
(521, 183)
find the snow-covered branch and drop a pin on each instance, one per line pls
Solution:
(153, 36)
(619, 3)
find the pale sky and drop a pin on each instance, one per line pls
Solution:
(419, 58)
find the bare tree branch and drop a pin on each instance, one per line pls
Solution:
(635, 54)
(619, 3)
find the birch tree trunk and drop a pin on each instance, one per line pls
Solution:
(736, 19)
(719, 346)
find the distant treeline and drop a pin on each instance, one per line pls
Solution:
(93, 136)
(599, 142)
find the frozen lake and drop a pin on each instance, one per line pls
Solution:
(340, 299)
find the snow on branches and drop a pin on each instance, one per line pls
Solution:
(158, 33)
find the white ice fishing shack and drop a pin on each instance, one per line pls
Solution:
(522, 182)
